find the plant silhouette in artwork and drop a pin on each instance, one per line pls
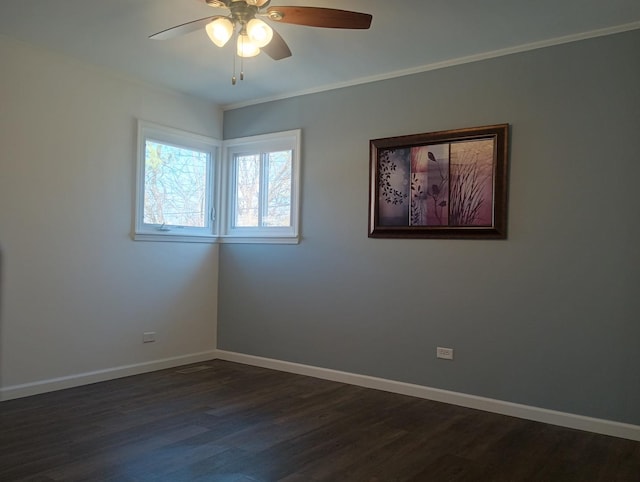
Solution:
(417, 213)
(436, 191)
(468, 183)
(386, 168)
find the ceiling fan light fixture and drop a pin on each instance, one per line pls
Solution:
(246, 48)
(220, 31)
(259, 32)
(216, 3)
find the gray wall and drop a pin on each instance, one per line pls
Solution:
(548, 317)
(77, 292)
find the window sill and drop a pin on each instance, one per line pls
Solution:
(175, 238)
(259, 239)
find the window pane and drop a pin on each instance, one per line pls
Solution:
(278, 209)
(175, 185)
(247, 190)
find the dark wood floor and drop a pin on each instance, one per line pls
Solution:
(231, 422)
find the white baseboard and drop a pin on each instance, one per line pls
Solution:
(569, 420)
(563, 419)
(43, 386)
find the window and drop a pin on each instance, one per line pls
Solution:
(262, 188)
(175, 190)
(179, 191)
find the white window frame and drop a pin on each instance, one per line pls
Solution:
(280, 141)
(188, 140)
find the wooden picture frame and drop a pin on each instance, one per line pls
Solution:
(447, 184)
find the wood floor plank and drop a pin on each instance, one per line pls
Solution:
(227, 422)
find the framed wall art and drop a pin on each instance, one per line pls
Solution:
(448, 184)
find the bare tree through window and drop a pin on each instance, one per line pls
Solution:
(247, 190)
(175, 185)
(263, 189)
(279, 189)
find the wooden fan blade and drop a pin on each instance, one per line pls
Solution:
(277, 49)
(320, 17)
(183, 29)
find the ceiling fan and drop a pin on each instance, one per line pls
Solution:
(253, 34)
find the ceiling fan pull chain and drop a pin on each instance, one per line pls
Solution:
(242, 56)
(233, 78)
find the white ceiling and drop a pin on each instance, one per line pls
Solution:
(406, 36)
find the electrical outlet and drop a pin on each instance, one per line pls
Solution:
(148, 336)
(445, 353)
